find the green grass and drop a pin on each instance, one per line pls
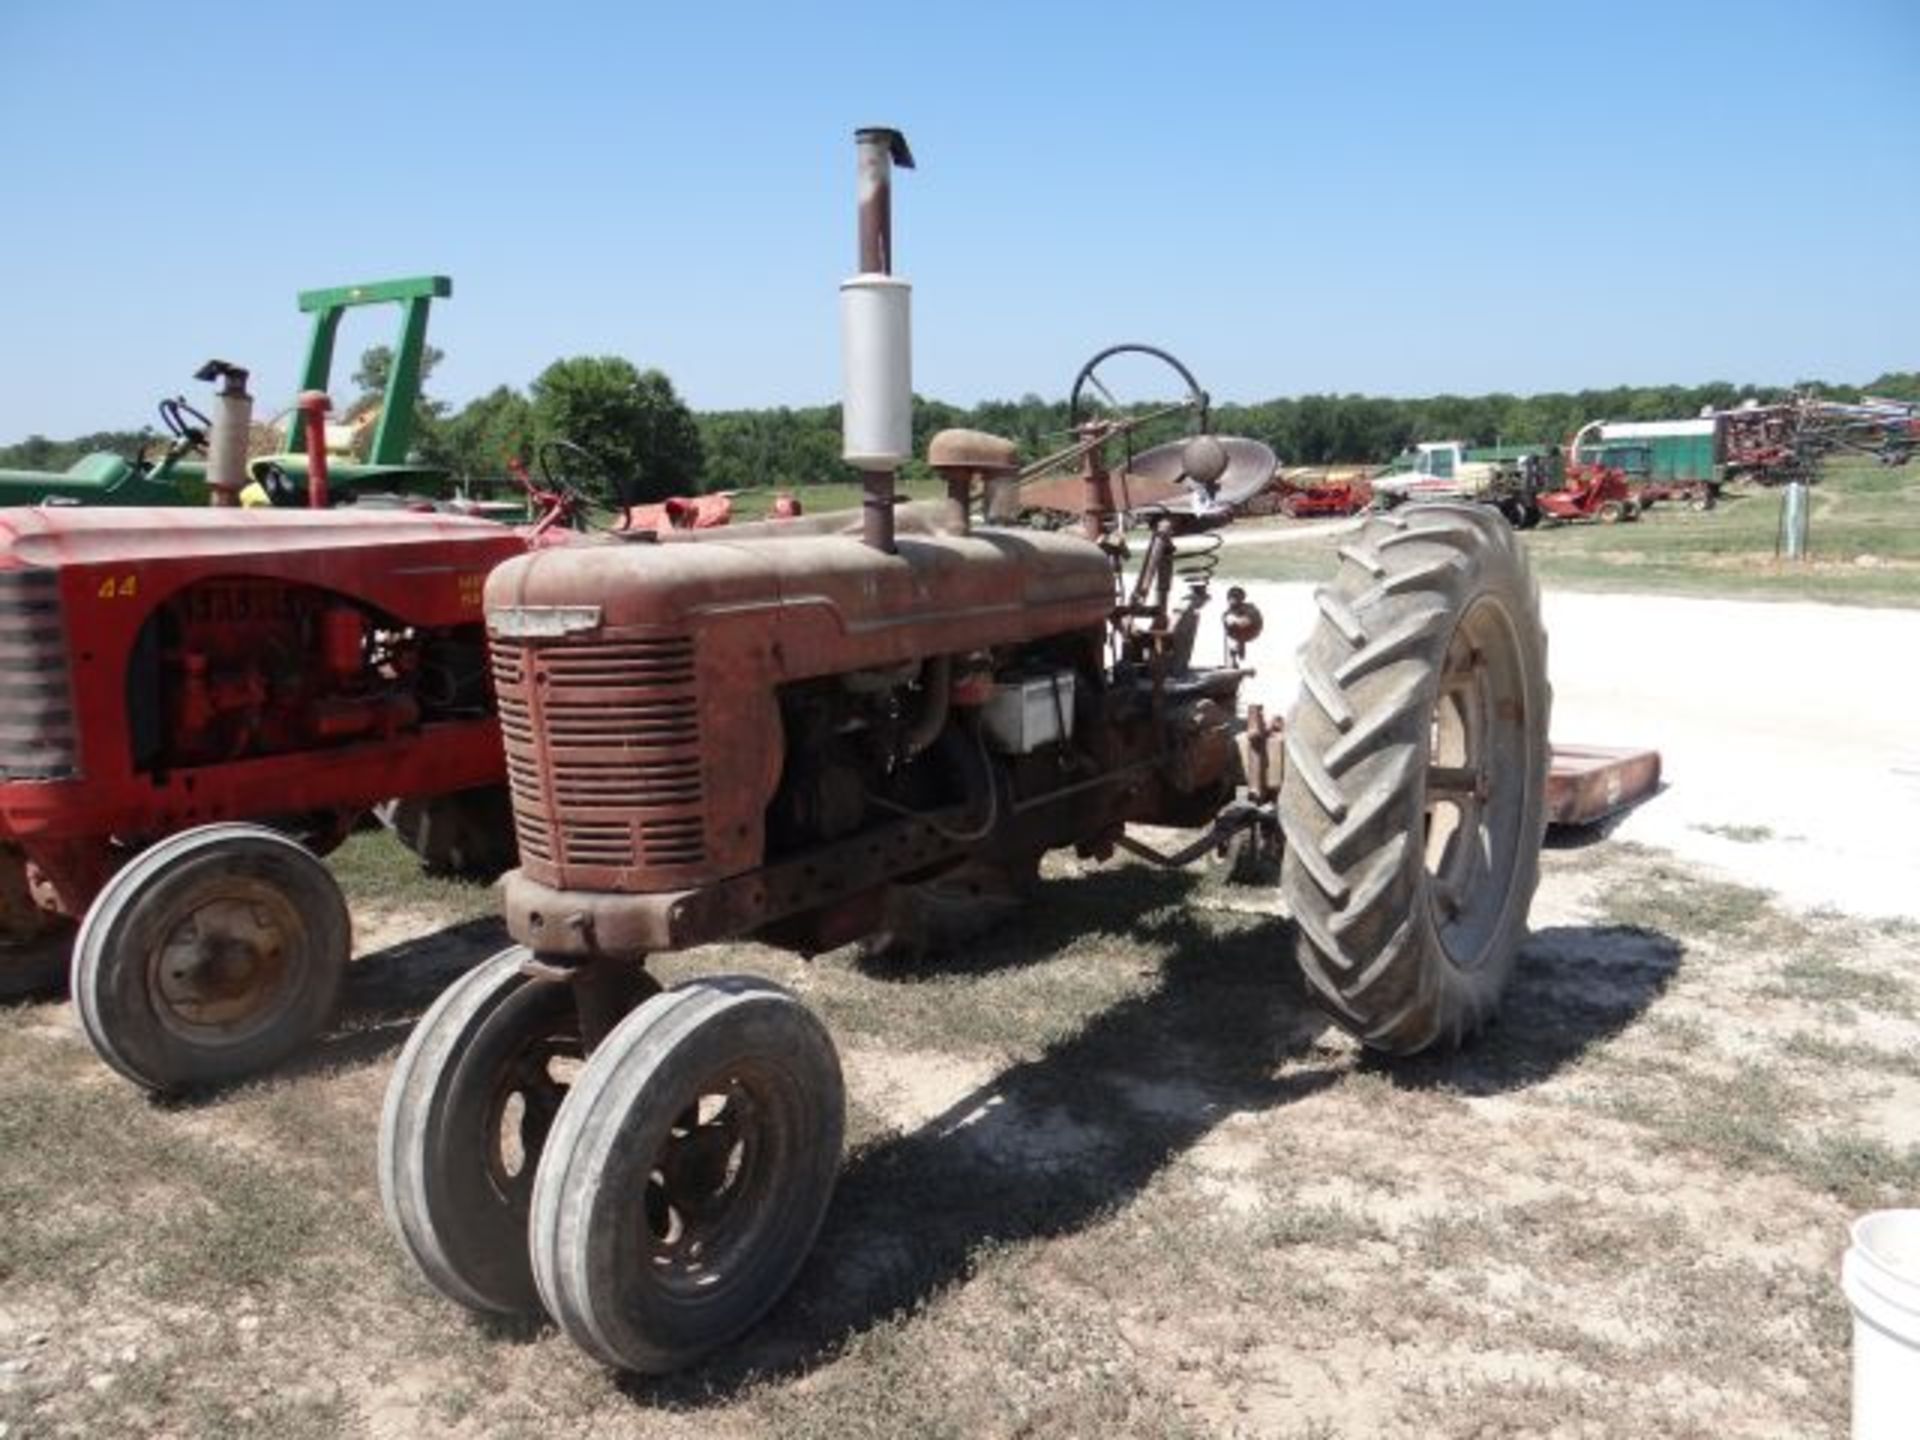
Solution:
(374, 869)
(1861, 512)
(1739, 834)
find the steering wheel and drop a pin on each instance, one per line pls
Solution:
(186, 424)
(565, 469)
(1079, 409)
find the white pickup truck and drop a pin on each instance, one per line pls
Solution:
(1451, 470)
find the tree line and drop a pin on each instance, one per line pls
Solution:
(637, 424)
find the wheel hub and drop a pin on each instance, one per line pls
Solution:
(224, 963)
(700, 1177)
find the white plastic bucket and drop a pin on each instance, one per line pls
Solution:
(1881, 1279)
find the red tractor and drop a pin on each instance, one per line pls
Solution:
(197, 704)
(816, 732)
(173, 672)
(1590, 492)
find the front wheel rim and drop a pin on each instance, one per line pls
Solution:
(708, 1202)
(226, 969)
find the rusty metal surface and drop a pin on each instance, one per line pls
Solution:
(585, 922)
(1156, 478)
(1588, 783)
(642, 756)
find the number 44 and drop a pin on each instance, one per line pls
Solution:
(122, 588)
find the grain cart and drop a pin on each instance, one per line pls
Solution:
(1657, 459)
(802, 732)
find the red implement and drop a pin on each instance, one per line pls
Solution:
(1587, 783)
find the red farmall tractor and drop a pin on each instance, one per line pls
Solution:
(812, 732)
(197, 704)
(170, 672)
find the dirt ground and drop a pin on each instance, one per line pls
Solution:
(1111, 1173)
(1787, 731)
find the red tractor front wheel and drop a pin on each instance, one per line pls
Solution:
(210, 957)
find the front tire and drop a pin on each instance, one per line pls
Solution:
(1413, 802)
(210, 957)
(467, 1114)
(688, 1173)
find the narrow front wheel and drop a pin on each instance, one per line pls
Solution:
(466, 1120)
(688, 1173)
(210, 957)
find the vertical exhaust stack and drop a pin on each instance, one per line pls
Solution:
(876, 342)
(233, 423)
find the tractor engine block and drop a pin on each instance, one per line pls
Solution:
(241, 667)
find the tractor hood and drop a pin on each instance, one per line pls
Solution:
(810, 604)
(53, 536)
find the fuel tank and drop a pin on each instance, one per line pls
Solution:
(637, 679)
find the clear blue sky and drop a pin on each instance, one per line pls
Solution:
(1397, 199)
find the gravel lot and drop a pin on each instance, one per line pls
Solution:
(1787, 731)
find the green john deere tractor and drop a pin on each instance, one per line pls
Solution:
(178, 474)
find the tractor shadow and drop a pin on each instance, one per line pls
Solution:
(1574, 988)
(387, 990)
(1096, 905)
(1055, 1144)
(1579, 837)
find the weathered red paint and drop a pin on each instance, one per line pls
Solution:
(218, 641)
(1588, 783)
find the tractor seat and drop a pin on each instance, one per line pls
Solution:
(973, 450)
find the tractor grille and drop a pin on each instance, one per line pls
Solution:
(38, 740)
(603, 753)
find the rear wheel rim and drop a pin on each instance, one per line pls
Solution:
(1475, 770)
(527, 1091)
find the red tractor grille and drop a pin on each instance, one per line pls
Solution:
(38, 740)
(603, 756)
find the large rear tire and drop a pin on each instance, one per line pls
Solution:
(210, 957)
(1414, 797)
(467, 1115)
(688, 1173)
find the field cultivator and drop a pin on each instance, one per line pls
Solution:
(1776, 443)
(1311, 493)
